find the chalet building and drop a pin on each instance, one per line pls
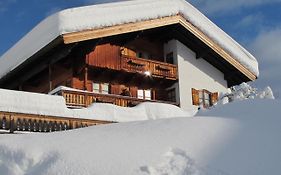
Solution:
(126, 53)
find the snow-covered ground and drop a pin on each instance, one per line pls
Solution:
(239, 138)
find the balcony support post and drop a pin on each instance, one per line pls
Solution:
(86, 78)
(50, 77)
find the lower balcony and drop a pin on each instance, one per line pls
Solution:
(84, 99)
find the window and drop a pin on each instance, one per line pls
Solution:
(105, 88)
(172, 95)
(144, 94)
(101, 88)
(170, 58)
(204, 98)
(140, 94)
(147, 94)
(96, 87)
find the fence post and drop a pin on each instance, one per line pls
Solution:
(11, 124)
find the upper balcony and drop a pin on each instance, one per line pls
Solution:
(150, 67)
(111, 57)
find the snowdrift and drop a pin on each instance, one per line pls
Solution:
(239, 138)
(51, 105)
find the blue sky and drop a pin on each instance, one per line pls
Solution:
(256, 24)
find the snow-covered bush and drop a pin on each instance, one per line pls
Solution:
(245, 91)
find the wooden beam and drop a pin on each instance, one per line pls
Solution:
(154, 23)
(50, 77)
(118, 29)
(43, 65)
(86, 78)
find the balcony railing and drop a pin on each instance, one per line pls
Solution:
(84, 99)
(155, 68)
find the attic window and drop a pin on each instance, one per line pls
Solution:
(204, 98)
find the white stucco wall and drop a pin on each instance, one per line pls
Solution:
(193, 73)
(171, 46)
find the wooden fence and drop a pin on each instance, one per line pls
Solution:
(39, 123)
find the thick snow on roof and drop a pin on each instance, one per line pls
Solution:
(51, 105)
(110, 14)
(237, 139)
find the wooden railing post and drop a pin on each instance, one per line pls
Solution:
(11, 124)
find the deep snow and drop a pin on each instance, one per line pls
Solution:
(238, 138)
(52, 105)
(98, 16)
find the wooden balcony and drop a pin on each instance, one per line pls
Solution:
(84, 99)
(117, 61)
(155, 68)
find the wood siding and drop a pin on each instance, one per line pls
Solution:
(153, 50)
(105, 56)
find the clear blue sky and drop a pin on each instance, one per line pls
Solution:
(256, 24)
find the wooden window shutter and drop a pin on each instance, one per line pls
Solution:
(195, 97)
(214, 97)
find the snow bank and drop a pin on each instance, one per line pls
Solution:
(51, 105)
(239, 138)
(143, 111)
(97, 16)
(245, 91)
(32, 103)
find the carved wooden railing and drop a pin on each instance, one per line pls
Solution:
(84, 99)
(156, 68)
(38, 123)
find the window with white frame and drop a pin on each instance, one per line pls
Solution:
(105, 88)
(147, 94)
(96, 87)
(101, 88)
(140, 94)
(144, 94)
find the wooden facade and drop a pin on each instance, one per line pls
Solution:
(134, 65)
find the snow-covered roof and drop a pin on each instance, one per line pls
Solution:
(110, 14)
